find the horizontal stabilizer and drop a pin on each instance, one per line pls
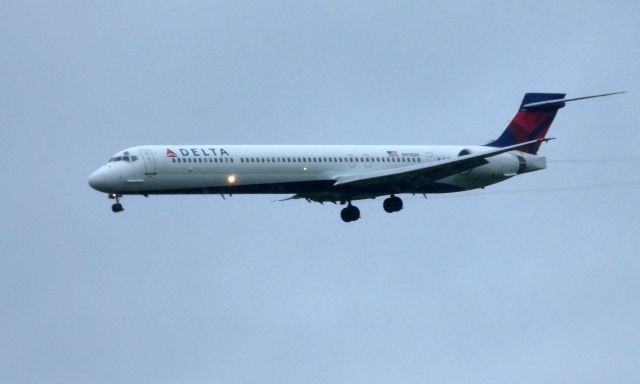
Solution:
(559, 103)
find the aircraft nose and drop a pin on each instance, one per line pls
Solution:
(98, 181)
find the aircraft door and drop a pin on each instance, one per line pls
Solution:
(430, 157)
(367, 160)
(351, 160)
(149, 162)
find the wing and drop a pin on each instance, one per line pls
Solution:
(426, 172)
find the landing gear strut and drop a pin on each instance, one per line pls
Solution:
(350, 213)
(117, 207)
(392, 204)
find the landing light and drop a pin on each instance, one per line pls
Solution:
(231, 179)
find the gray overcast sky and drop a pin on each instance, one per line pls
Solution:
(528, 281)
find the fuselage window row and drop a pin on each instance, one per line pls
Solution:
(292, 160)
(200, 160)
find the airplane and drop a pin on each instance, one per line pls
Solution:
(335, 173)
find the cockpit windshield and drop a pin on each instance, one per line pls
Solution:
(125, 157)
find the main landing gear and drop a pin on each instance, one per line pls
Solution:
(117, 207)
(352, 213)
(392, 204)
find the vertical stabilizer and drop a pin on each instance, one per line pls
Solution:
(531, 122)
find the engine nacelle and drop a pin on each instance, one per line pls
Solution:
(498, 168)
(530, 163)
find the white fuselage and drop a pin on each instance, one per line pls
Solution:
(298, 169)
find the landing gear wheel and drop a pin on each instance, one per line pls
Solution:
(350, 213)
(117, 207)
(392, 204)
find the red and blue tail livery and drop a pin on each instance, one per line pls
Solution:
(533, 119)
(530, 122)
(334, 173)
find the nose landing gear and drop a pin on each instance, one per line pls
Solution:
(117, 207)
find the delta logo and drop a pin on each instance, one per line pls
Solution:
(197, 152)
